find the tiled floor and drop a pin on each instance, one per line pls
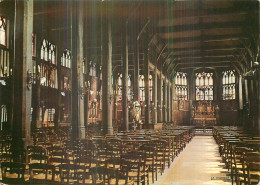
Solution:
(198, 164)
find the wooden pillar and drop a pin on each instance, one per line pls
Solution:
(169, 101)
(106, 59)
(78, 128)
(136, 71)
(172, 99)
(86, 98)
(125, 111)
(37, 109)
(164, 101)
(160, 98)
(58, 100)
(115, 87)
(22, 72)
(146, 81)
(155, 85)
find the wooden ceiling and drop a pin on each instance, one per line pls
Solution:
(184, 35)
(203, 34)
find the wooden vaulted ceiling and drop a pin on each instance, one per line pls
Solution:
(202, 34)
(183, 34)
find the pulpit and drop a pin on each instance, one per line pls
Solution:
(204, 113)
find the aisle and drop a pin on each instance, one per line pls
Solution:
(198, 164)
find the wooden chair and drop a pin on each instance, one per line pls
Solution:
(250, 161)
(37, 158)
(41, 173)
(118, 176)
(13, 173)
(72, 174)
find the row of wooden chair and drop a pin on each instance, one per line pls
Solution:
(122, 158)
(239, 149)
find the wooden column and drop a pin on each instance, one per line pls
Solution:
(164, 101)
(136, 71)
(240, 93)
(146, 81)
(160, 98)
(169, 101)
(172, 99)
(125, 111)
(86, 98)
(155, 92)
(115, 87)
(78, 128)
(106, 59)
(22, 72)
(58, 100)
(37, 109)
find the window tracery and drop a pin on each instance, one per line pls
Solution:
(229, 87)
(204, 86)
(181, 88)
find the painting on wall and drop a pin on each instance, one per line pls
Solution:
(181, 104)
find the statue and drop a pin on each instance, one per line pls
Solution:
(136, 113)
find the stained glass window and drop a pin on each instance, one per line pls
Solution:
(66, 59)
(181, 88)
(204, 86)
(48, 51)
(51, 114)
(120, 84)
(2, 31)
(141, 88)
(229, 87)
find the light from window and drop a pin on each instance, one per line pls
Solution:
(51, 114)
(48, 51)
(228, 81)
(181, 88)
(204, 86)
(120, 88)
(141, 88)
(66, 59)
(2, 31)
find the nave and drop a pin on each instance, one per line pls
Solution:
(117, 92)
(199, 163)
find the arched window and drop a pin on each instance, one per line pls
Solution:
(229, 87)
(204, 86)
(141, 88)
(120, 87)
(48, 72)
(66, 58)
(181, 87)
(2, 31)
(48, 51)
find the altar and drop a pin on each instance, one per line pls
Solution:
(203, 113)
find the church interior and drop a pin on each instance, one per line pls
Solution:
(129, 92)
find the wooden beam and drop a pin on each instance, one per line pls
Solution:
(202, 26)
(206, 38)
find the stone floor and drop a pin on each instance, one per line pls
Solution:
(198, 164)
